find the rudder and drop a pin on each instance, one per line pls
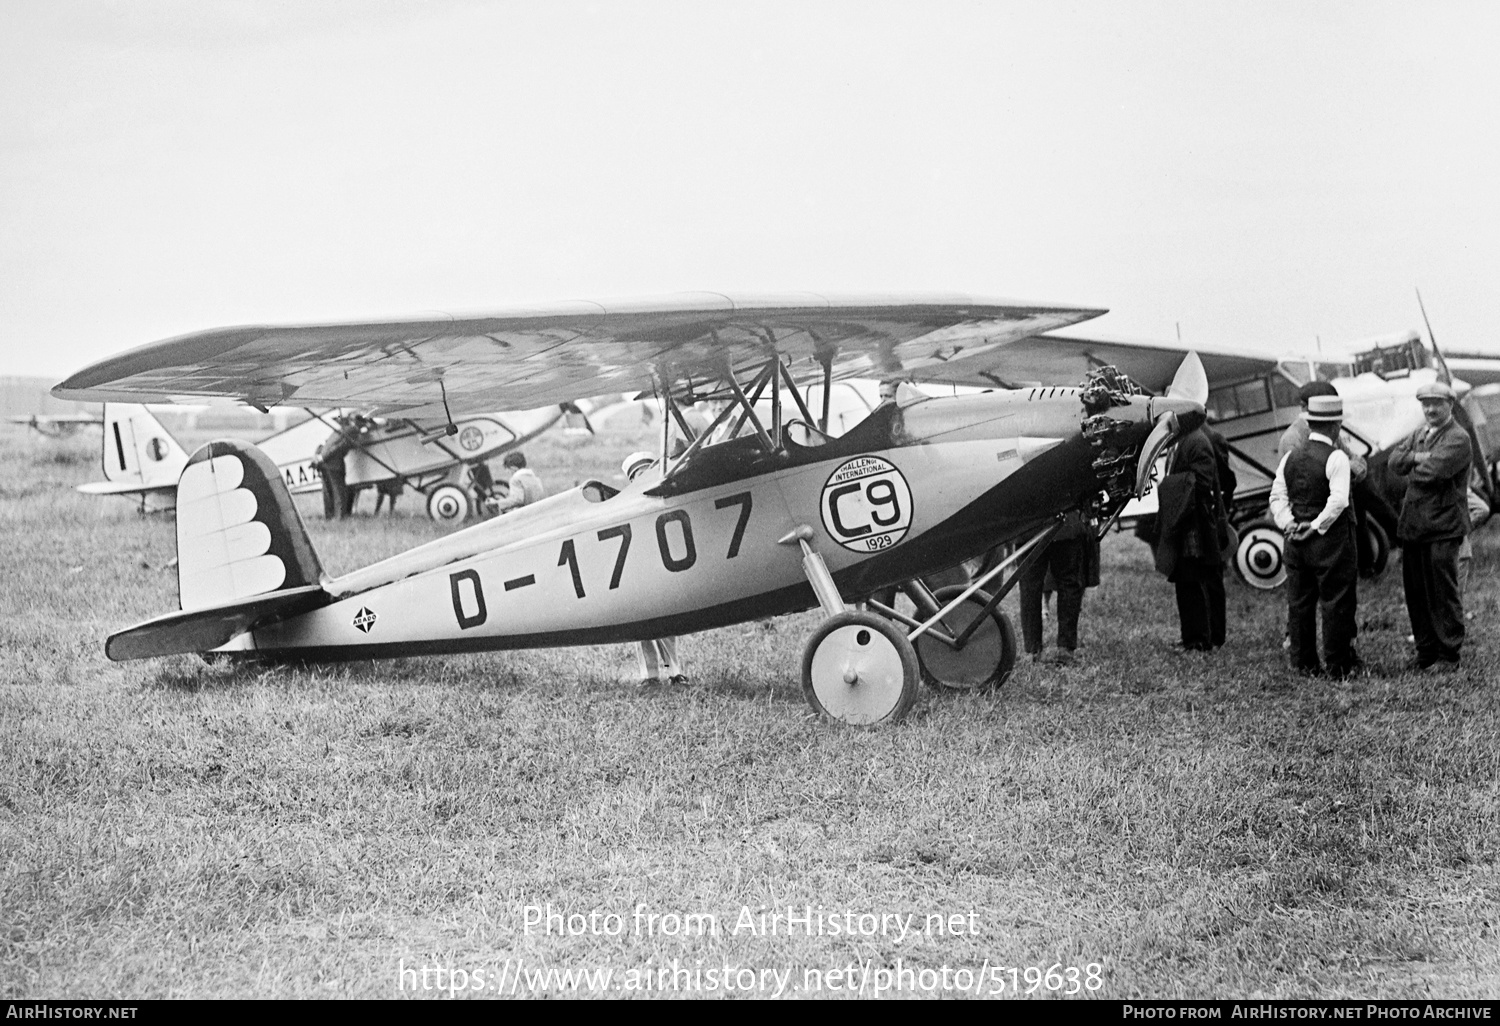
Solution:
(238, 532)
(138, 449)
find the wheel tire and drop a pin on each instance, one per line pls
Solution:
(448, 504)
(1380, 545)
(876, 654)
(987, 659)
(1260, 558)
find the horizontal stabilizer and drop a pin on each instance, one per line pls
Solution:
(124, 488)
(202, 630)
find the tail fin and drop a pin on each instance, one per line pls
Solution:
(243, 557)
(138, 450)
(238, 533)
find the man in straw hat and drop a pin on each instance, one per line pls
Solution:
(1310, 504)
(1433, 524)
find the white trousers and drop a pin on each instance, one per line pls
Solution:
(658, 659)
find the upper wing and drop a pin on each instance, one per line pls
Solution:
(528, 358)
(1067, 360)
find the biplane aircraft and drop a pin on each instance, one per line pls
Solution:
(1252, 399)
(142, 460)
(756, 517)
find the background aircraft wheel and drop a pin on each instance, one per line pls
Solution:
(987, 658)
(1380, 546)
(859, 669)
(448, 504)
(1260, 559)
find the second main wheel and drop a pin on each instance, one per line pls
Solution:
(988, 657)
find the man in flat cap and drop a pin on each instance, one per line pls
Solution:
(1310, 504)
(1433, 524)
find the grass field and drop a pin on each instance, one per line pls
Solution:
(1152, 825)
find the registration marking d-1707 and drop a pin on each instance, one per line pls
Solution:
(675, 545)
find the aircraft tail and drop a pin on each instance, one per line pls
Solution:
(238, 532)
(138, 450)
(243, 556)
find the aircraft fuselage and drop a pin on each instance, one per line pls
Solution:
(911, 491)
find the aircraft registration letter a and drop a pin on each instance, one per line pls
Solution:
(476, 593)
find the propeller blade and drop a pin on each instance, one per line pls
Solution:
(1161, 434)
(1444, 374)
(1191, 381)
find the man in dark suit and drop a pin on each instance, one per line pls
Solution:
(1434, 522)
(1310, 504)
(338, 500)
(1189, 548)
(1067, 558)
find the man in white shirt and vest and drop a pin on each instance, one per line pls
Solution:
(1310, 504)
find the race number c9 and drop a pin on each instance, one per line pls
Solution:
(867, 504)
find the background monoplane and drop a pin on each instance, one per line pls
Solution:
(142, 460)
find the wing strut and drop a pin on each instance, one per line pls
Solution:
(757, 387)
(452, 427)
(707, 433)
(760, 431)
(687, 431)
(744, 405)
(827, 363)
(791, 387)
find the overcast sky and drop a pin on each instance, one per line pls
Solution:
(1260, 173)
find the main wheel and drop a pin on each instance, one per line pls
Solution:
(448, 504)
(987, 658)
(1260, 558)
(858, 668)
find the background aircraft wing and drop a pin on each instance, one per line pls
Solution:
(1053, 359)
(1476, 370)
(48, 419)
(521, 359)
